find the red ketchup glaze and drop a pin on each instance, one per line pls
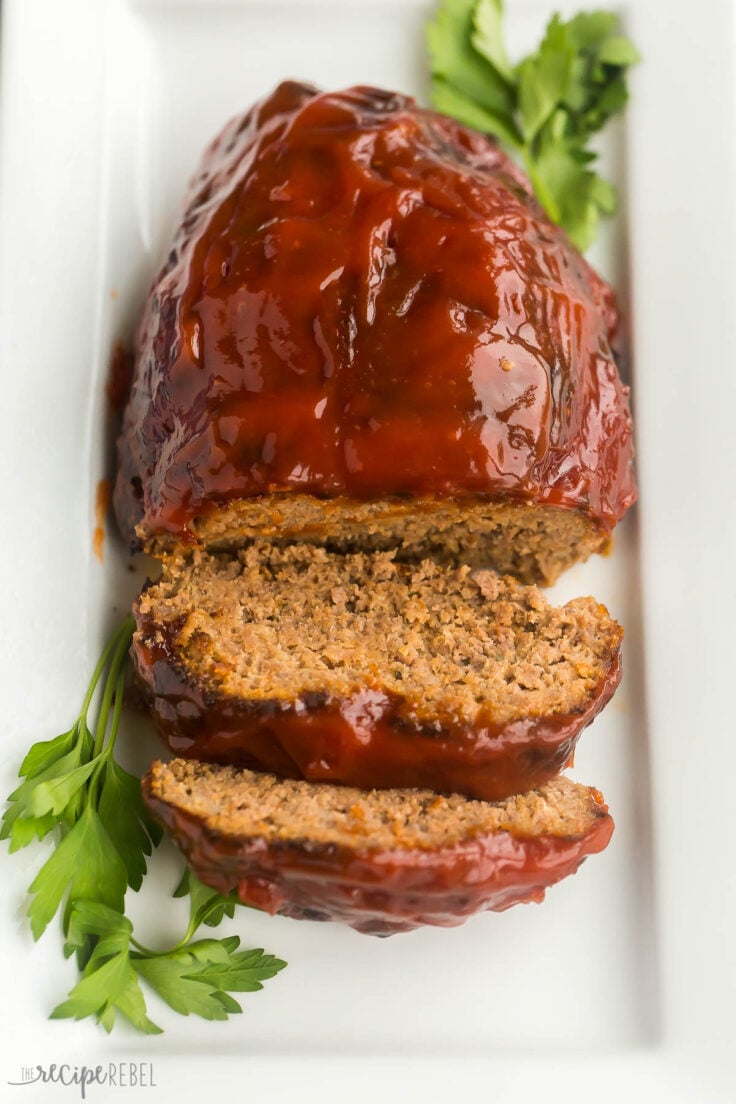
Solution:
(382, 892)
(362, 741)
(364, 299)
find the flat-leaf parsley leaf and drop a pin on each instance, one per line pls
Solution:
(547, 108)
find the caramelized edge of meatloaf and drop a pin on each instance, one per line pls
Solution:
(533, 542)
(454, 647)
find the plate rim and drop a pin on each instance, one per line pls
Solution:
(684, 1058)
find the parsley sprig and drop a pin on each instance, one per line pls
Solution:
(74, 787)
(547, 108)
(75, 790)
(194, 976)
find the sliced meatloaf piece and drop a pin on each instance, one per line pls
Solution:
(367, 333)
(361, 670)
(532, 542)
(382, 861)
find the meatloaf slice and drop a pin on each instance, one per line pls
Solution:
(382, 861)
(361, 670)
(534, 542)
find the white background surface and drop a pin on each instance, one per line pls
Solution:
(625, 978)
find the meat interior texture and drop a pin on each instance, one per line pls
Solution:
(364, 308)
(382, 862)
(535, 543)
(357, 669)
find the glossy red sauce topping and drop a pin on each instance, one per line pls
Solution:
(358, 741)
(364, 299)
(382, 892)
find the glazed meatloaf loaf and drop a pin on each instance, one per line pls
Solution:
(367, 334)
(383, 862)
(358, 669)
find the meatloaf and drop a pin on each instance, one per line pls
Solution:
(359, 669)
(382, 861)
(368, 334)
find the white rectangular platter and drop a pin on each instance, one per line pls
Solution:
(626, 977)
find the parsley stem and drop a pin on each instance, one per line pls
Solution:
(192, 927)
(115, 679)
(95, 782)
(117, 708)
(125, 629)
(146, 952)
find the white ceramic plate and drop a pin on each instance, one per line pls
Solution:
(625, 978)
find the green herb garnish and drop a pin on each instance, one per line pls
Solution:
(74, 789)
(195, 976)
(545, 109)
